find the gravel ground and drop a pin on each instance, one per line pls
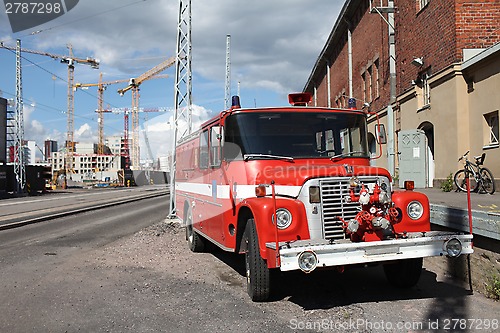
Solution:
(95, 272)
(151, 282)
(175, 290)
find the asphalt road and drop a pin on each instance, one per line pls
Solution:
(126, 268)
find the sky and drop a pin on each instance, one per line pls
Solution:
(274, 46)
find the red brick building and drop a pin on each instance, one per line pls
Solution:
(445, 54)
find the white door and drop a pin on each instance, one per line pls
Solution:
(412, 157)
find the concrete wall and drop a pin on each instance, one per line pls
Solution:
(150, 177)
(483, 92)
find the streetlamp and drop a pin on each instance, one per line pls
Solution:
(392, 79)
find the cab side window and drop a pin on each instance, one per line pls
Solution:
(216, 138)
(203, 160)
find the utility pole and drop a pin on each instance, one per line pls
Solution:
(70, 61)
(182, 90)
(389, 9)
(227, 90)
(19, 162)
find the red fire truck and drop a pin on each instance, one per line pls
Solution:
(293, 189)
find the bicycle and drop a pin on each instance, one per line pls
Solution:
(480, 178)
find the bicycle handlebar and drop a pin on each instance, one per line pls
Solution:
(464, 156)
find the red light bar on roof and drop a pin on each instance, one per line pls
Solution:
(299, 99)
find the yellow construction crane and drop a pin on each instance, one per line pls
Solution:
(70, 60)
(101, 86)
(133, 85)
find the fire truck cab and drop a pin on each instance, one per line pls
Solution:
(293, 189)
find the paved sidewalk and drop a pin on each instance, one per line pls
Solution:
(481, 202)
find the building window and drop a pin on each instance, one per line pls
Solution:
(343, 98)
(421, 4)
(491, 120)
(371, 82)
(426, 89)
(369, 78)
(423, 89)
(340, 100)
(363, 80)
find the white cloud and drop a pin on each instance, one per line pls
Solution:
(36, 128)
(160, 132)
(269, 39)
(85, 134)
(274, 45)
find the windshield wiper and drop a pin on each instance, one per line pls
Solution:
(325, 151)
(346, 154)
(247, 157)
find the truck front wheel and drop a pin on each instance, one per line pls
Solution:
(195, 242)
(404, 273)
(257, 273)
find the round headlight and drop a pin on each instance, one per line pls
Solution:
(284, 218)
(307, 261)
(415, 210)
(453, 247)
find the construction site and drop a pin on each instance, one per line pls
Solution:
(115, 160)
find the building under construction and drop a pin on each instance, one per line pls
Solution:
(89, 168)
(77, 163)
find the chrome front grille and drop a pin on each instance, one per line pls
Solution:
(334, 192)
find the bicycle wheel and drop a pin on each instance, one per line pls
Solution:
(487, 181)
(460, 181)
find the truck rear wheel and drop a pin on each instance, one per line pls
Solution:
(257, 273)
(196, 243)
(404, 273)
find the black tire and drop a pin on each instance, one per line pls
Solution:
(488, 182)
(196, 243)
(257, 273)
(403, 273)
(461, 184)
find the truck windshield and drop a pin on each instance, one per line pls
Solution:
(288, 135)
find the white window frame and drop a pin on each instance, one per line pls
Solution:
(426, 90)
(363, 80)
(369, 71)
(491, 121)
(422, 4)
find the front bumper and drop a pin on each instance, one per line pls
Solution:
(345, 252)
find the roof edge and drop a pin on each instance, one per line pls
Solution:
(335, 33)
(481, 56)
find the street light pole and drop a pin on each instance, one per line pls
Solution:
(392, 80)
(392, 83)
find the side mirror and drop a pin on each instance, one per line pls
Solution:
(232, 152)
(381, 135)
